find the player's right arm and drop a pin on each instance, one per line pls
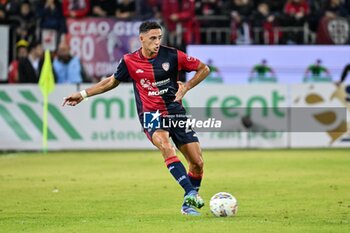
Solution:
(99, 88)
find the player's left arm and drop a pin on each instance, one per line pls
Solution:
(201, 73)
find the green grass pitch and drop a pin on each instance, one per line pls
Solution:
(278, 191)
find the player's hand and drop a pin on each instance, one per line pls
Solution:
(73, 99)
(181, 91)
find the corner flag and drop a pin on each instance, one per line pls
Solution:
(46, 85)
(47, 80)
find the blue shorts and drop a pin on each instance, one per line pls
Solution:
(179, 135)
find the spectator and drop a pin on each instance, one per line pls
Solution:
(208, 10)
(75, 8)
(240, 11)
(12, 7)
(27, 22)
(3, 15)
(147, 9)
(103, 8)
(296, 12)
(276, 6)
(183, 13)
(68, 68)
(125, 9)
(266, 21)
(334, 8)
(29, 67)
(35, 3)
(51, 16)
(316, 12)
(22, 52)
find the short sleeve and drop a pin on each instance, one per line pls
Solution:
(187, 63)
(122, 73)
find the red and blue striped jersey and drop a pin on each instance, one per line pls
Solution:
(155, 80)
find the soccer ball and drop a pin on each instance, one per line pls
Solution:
(223, 205)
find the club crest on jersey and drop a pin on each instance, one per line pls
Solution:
(145, 83)
(166, 66)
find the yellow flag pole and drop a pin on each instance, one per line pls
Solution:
(45, 123)
(47, 85)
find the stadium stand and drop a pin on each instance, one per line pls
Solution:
(189, 21)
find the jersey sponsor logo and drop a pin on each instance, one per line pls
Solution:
(138, 71)
(158, 92)
(145, 83)
(151, 86)
(161, 83)
(166, 66)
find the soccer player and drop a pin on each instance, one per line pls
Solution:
(154, 71)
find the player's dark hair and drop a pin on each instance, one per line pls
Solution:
(149, 25)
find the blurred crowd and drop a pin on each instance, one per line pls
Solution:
(29, 17)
